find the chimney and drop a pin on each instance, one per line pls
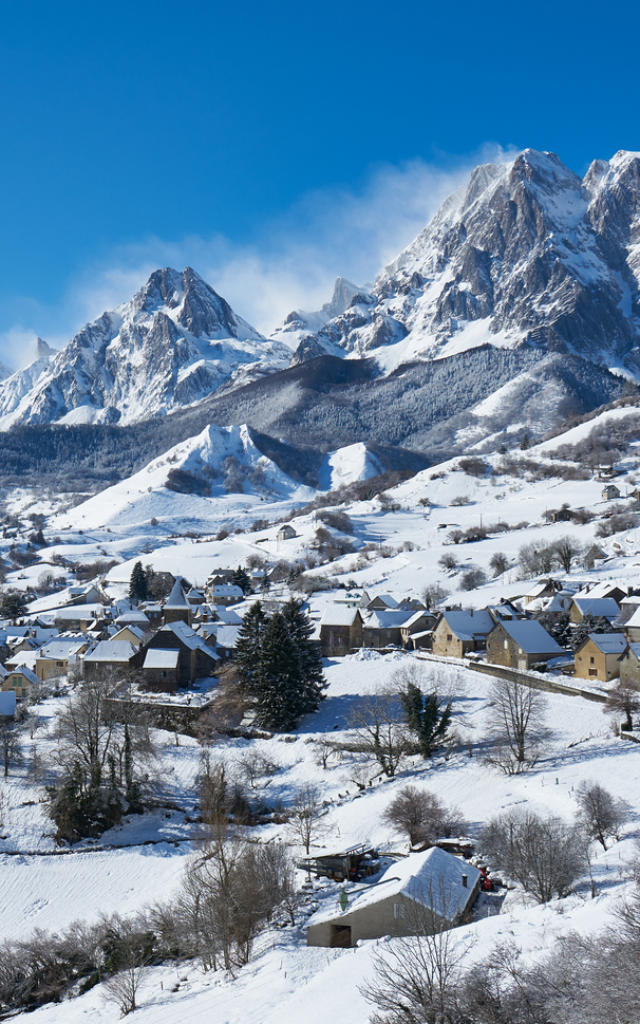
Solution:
(465, 880)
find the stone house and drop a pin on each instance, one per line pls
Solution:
(425, 893)
(225, 594)
(598, 657)
(80, 617)
(340, 630)
(21, 680)
(58, 656)
(630, 666)
(632, 625)
(384, 628)
(420, 622)
(110, 659)
(189, 658)
(595, 607)
(520, 643)
(286, 532)
(610, 492)
(543, 588)
(459, 632)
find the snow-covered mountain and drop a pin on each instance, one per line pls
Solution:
(172, 344)
(526, 253)
(299, 324)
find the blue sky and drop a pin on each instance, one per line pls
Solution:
(247, 138)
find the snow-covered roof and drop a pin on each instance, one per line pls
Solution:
(75, 612)
(188, 637)
(538, 589)
(7, 703)
(432, 878)
(634, 648)
(339, 615)
(467, 624)
(111, 650)
(161, 657)
(177, 598)
(388, 599)
(132, 618)
(387, 619)
(416, 616)
(226, 636)
(134, 630)
(598, 606)
(530, 636)
(602, 589)
(23, 671)
(60, 650)
(609, 643)
(228, 616)
(227, 590)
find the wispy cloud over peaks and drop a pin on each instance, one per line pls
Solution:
(291, 262)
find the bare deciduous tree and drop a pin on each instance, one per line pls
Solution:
(517, 726)
(422, 816)
(545, 855)
(416, 980)
(306, 816)
(601, 814)
(10, 747)
(380, 731)
(623, 700)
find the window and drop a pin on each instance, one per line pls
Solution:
(592, 661)
(593, 671)
(398, 911)
(449, 637)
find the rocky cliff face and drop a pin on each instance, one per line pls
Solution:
(527, 253)
(172, 344)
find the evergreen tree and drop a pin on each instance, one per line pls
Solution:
(280, 698)
(241, 579)
(309, 658)
(428, 717)
(249, 649)
(138, 590)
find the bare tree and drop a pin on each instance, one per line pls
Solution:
(566, 550)
(517, 726)
(380, 731)
(416, 980)
(601, 814)
(422, 816)
(10, 747)
(122, 988)
(545, 855)
(306, 816)
(623, 700)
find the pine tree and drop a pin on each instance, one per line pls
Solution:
(241, 579)
(249, 649)
(309, 658)
(138, 590)
(280, 697)
(427, 716)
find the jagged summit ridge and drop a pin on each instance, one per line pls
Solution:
(173, 343)
(525, 253)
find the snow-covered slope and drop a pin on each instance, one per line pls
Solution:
(525, 253)
(346, 465)
(173, 343)
(202, 471)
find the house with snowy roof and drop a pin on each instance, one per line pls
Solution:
(21, 680)
(187, 657)
(109, 659)
(58, 656)
(543, 588)
(340, 630)
(459, 632)
(384, 628)
(595, 608)
(599, 656)
(424, 893)
(521, 643)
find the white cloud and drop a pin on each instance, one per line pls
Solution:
(291, 262)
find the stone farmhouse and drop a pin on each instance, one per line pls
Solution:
(461, 632)
(599, 656)
(520, 643)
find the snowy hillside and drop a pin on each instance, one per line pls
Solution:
(173, 343)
